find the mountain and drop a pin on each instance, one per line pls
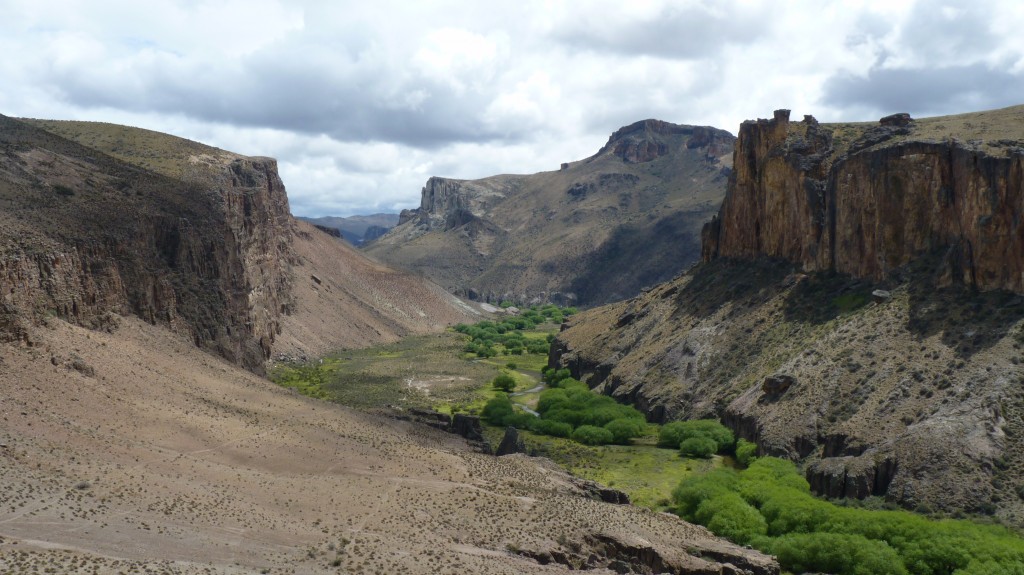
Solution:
(595, 231)
(859, 310)
(140, 273)
(358, 229)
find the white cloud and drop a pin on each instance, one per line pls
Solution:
(362, 101)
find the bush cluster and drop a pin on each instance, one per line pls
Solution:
(486, 336)
(698, 438)
(572, 410)
(769, 506)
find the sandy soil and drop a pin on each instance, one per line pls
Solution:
(132, 451)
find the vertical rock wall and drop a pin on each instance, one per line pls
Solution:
(875, 206)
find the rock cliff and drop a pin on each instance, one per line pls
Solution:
(594, 231)
(872, 203)
(99, 237)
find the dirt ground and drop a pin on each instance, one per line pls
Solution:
(132, 451)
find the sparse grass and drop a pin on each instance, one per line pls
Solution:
(646, 473)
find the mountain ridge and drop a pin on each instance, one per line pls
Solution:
(639, 201)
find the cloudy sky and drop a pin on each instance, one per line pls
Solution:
(362, 101)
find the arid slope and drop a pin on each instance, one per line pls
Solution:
(132, 448)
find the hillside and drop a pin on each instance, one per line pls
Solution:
(595, 231)
(102, 219)
(859, 311)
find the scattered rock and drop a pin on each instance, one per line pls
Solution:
(777, 384)
(881, 295)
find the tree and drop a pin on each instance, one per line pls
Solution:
(504, 382)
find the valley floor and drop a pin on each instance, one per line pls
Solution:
(133, 451)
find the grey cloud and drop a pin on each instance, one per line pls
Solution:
(296, 91)
(924, 91)
(676, 32)
(964, 33)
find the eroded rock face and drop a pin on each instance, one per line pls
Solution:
(875, 204)
(448, 204)
(208, 258)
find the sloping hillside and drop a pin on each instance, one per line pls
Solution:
(595, 231)
(106, 219)
(913, 392)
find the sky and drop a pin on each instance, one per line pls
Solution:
(362, 101)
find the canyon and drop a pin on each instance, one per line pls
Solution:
(147, 283)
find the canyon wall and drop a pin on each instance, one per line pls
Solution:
(86, 237)
(871, 205)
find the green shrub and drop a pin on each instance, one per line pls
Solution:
(504, 382)
(693, 490)
(728, 515)
(623, 429)
(553, 377)
(591, 435)
(519, 420)
(497, 409)
(700, 447)
(835, 553)
(746, 451)
(550, 427)
(673, 434)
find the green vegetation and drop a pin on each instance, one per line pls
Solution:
(644, 472)
(504, 382)
(698, 438)
(510, 336)
(769, 506)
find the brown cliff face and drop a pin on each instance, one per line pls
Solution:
(88, 236)
(866, 200)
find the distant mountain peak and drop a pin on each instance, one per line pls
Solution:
(649, 139)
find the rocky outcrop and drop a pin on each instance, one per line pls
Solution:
(626, 553)
(511, 443)
(646, 140)
(868, 206)
(447, 204)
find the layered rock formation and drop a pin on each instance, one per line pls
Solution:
(101, 237)
(868, 206)
(858, 310)
(594, 231)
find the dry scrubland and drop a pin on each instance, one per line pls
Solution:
(132, 450)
